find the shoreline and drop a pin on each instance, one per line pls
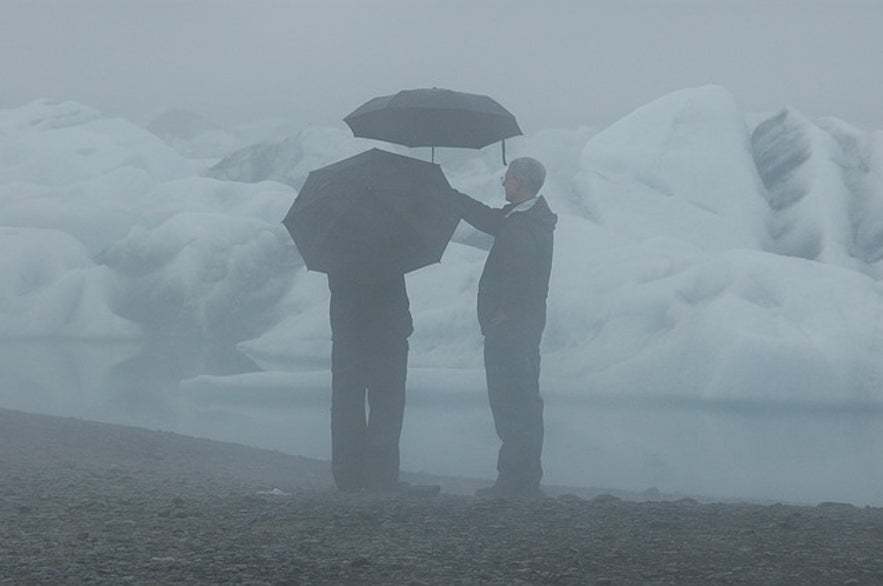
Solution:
(118, 446)
(84, 502)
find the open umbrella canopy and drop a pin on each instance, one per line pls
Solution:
(373, 215)
(434, 117)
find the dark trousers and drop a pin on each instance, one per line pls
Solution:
(365, 446)
(512, 366)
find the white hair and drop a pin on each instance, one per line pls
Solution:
(530, 171)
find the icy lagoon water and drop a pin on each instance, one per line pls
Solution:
(792, 453)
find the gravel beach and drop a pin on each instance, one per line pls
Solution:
(92, 503)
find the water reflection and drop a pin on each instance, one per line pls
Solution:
(733, 450)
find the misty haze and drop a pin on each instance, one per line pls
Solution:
(714, 321)
(715, 312)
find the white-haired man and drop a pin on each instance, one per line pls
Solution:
(512, 296)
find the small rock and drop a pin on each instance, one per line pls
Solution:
(835, 505)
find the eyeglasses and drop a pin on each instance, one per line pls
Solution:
(506, 178)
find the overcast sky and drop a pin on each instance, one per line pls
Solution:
(553, 63)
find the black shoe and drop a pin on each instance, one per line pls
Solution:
(502, 490)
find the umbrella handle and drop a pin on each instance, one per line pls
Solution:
(433, 154)
(503, 142)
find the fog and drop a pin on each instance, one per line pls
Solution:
(556, 63)
(715, 322)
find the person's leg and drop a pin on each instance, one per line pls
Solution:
(348, 423)
(386, 402)
(512, 364)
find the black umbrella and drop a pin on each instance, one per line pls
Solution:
(434, 117)
(374, 214)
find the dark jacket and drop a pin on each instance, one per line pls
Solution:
(369, 311)
(515, 281)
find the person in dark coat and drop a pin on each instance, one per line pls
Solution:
(512, 295)
(370, 325)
